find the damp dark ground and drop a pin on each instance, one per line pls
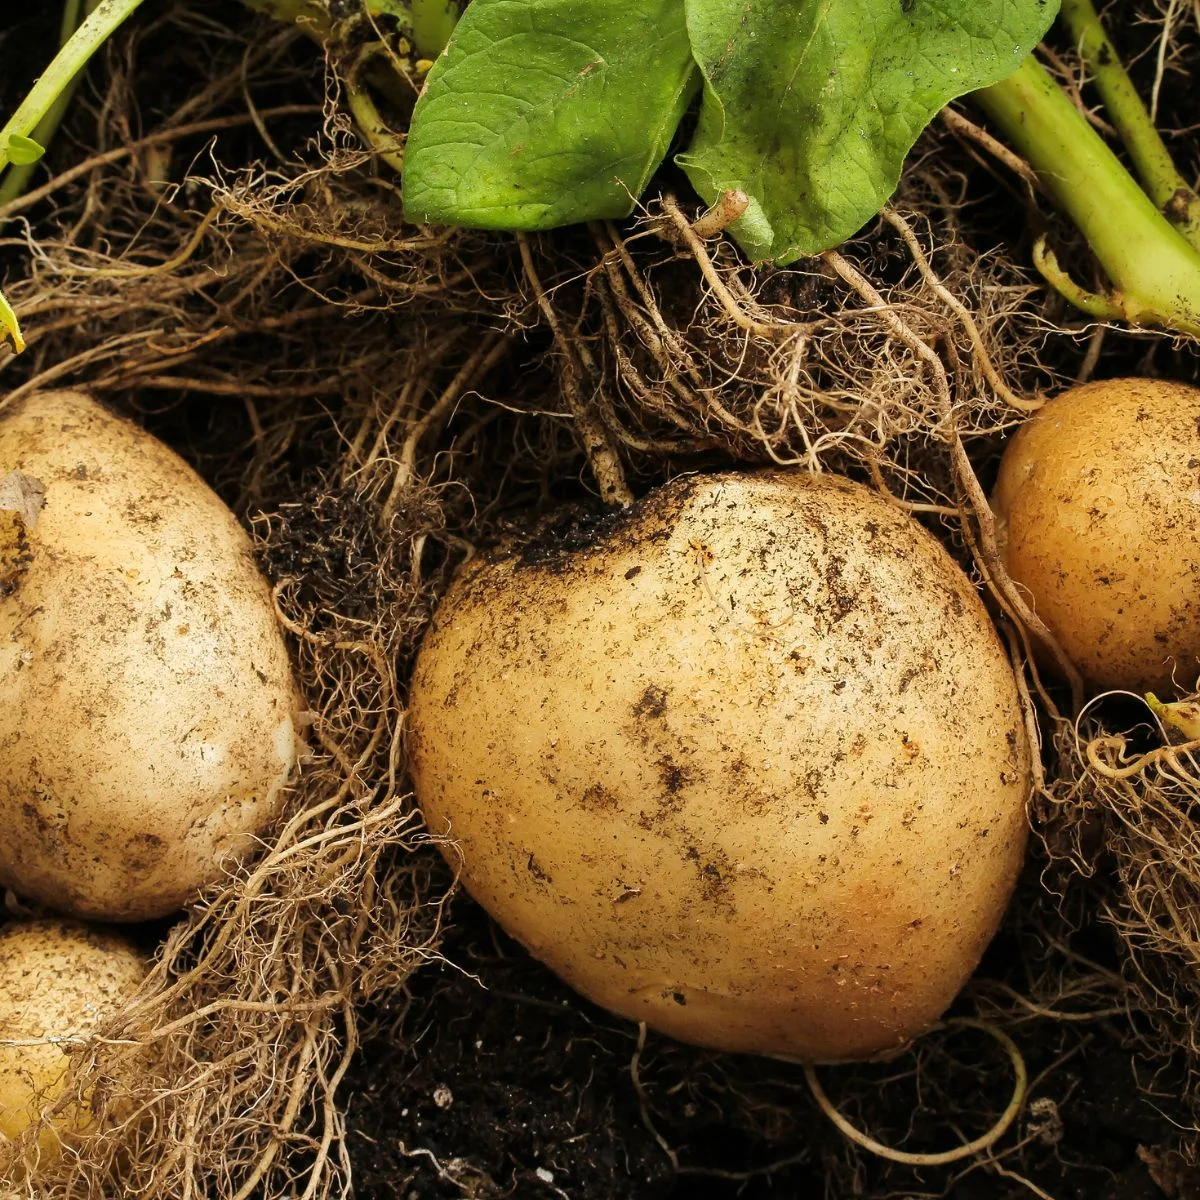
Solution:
(497, 1081)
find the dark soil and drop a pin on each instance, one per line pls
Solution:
(497, 1081)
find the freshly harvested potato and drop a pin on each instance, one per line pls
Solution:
(146, 698)
(746, 763)
(58, 980)
(1098, 515)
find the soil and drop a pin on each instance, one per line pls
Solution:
(498, 1081)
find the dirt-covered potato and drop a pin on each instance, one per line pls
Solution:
(58, 980)
(146, 698)
(1098, 513)
(746, 763)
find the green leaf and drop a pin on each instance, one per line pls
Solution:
(547, 112)
(23, 150)
(810, 107)
(9, 326)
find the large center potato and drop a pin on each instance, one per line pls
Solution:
(746, 764)
(146, 699)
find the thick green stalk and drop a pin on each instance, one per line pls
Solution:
(1154, 270)
(17, 178)
(1151, 158)
(45, 94)
(433, 23)
(68, 62)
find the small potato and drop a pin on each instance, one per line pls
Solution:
(746, 763)
(146, 699)
(1098, 516)
(58, 980)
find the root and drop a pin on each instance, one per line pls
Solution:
(636, 1080)
(979, 352)
(693, 238)
(602, 455)
(729, 206)
(990, 562)
(956, 122)
(1164, 756)
(945, 1157)
(1130, 819)
(771, 366)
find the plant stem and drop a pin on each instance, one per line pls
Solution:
(346, 35)
(45, 103)
(433, 22)
(1160, 177)
(1154, 270)
(374, 129)
(67, 63)
(17, 178)
(311, 16)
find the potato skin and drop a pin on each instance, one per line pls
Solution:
(57, 979)
(749, 766)
(146, 698)
(1098, 515)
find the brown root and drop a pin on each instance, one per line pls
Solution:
(939, 1158)
(1135, 810)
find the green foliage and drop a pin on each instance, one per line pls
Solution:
(811, 108)
(547, 112)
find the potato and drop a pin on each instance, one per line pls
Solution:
(1098, 515)
(147, 709)
(58, 979)
(746, 763)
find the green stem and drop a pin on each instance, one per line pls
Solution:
(388, 145)
(433, 22)
(311, 16)
(68, 62)
(1154, 270)
(1160, 177)
(17, 179)
(46, 94)
(429, 24)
